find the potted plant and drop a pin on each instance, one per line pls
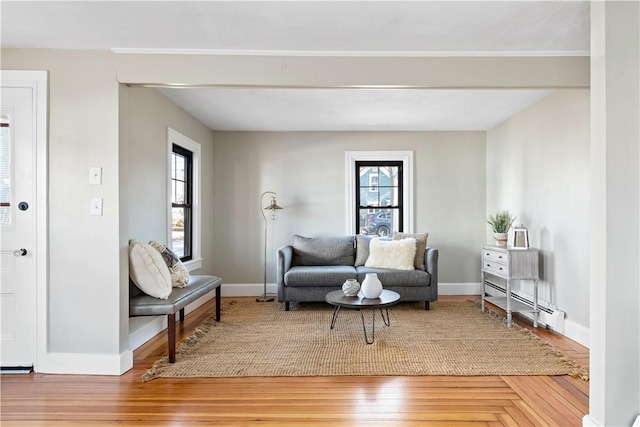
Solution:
(501, 222)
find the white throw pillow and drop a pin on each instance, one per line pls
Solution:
(396, 254)
(179, 273)
(421, 246)
(148, 270)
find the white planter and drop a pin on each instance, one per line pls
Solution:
(501, 238)
(371, 286)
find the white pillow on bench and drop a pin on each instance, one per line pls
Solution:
(148, 270)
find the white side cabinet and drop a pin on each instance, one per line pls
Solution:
(511, 264)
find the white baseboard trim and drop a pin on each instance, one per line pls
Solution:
(587, 421)
(85, 364)
(578, 333)
(459, 288)
(247, 289)
(149, 327)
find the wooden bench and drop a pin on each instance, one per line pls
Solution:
(141, 304)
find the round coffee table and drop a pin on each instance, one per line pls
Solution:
(386, 299)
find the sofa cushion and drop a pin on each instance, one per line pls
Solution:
(323, 250)
(389, 277)
(421, 246)
(319, 275)
(396, 254)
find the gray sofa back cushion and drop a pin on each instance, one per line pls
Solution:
(323, 250)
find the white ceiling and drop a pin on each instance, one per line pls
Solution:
(318, 28)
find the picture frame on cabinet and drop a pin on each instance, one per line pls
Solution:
(520, 237)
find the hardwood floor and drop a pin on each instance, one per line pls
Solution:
(80, 400)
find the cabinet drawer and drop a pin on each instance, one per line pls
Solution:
(496, 268)
(489, 255)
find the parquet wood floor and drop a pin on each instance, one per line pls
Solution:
(80, 400)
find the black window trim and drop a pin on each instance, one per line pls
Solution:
(400, 207)
(188, 204)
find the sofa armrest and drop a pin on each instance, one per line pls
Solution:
(431, 266)
(285, 256)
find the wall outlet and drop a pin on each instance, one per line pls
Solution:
(95, 176)
(96, 207)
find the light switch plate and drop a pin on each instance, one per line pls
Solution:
(96, 207)
(95, 176)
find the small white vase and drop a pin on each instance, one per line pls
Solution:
(371, 286)
(351, 287)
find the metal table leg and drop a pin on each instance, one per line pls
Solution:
(335, 316)
(373, 329)
(386, 321)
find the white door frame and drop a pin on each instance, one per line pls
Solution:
(38, 82)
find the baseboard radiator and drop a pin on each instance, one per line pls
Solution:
(549, 317)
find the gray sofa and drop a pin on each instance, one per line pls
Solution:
(310, 268)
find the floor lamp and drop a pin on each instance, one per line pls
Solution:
(274, 208)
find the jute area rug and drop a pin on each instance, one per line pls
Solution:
(453, 338)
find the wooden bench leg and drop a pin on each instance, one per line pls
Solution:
(218, 293)
(182, 315)
(171, 331)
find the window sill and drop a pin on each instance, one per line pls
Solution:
(193, 264)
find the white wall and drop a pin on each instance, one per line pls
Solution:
(307, 171)
(614, 389)
(149, 115)
(538, 168)
(84, 289)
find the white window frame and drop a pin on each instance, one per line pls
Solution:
(406, 157)
(175, 137)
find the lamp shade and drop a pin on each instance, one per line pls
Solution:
(273, 206)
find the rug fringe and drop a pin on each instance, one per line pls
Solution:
(575, 369)
(193, 339)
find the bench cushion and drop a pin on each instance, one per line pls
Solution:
(199, 285)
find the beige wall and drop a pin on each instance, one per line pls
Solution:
(307, 170)
(149, 115)
(538, 167)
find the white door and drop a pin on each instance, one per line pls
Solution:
(17, 227)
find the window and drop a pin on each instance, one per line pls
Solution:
(181, 201)
(379, 202)
(184, 198)
(379, 188)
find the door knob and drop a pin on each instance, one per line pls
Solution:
(20, 252)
